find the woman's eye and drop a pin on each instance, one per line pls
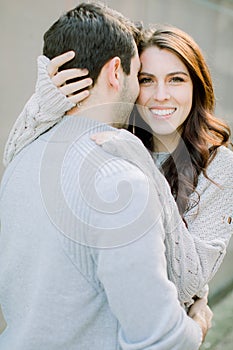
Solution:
(145, 80)
(176, 80)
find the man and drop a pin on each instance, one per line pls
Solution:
(82, 256)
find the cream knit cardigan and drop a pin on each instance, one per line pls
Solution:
(193, 255)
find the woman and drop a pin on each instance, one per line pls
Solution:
(177, 93)
(174, 118)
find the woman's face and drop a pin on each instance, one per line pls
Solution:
(166, 91)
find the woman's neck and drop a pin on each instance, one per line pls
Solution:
(166, 143)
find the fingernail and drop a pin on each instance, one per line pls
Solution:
(71, 53)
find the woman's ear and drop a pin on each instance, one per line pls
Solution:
(114, 72)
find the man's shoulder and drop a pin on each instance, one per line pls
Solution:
(85, 157)
(84, 152)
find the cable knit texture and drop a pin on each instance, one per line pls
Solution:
(43, 110)
(193, 255)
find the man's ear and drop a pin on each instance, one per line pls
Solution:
(114, 72)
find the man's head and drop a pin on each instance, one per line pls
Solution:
(104, 42)
(96, 33)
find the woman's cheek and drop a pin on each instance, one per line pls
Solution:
(142, 97)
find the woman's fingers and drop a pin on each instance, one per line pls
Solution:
(58, 61)
(102, 137)
(80, 96)
(70, 88)
(73, 91)
(61, 77)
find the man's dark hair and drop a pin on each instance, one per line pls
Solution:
(96, 33)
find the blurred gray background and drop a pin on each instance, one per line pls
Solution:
(24, 22)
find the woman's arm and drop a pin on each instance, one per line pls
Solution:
(48, 104)
(192, 258)
(212, 219)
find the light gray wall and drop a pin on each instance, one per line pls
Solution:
(23, 22)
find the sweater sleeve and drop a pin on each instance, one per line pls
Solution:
(211, 220)
(134, 274)
(44, 109)
(192, 258)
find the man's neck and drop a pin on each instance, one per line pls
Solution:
(100, 107)
(98, 112)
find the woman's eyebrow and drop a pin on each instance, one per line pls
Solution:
(169, 74)
(177, 73)
(147, 74)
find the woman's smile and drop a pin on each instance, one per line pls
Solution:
(162, 113)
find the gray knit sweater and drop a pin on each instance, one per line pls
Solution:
(82, 263)
(193, 255)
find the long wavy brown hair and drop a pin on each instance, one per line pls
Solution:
(202, 133)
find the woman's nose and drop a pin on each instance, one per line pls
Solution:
(161, 92)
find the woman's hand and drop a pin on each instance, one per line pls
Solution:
(59, 79)
(202, 314)
(101, 137)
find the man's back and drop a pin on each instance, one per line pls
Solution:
(58, 293)
(50, 298)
